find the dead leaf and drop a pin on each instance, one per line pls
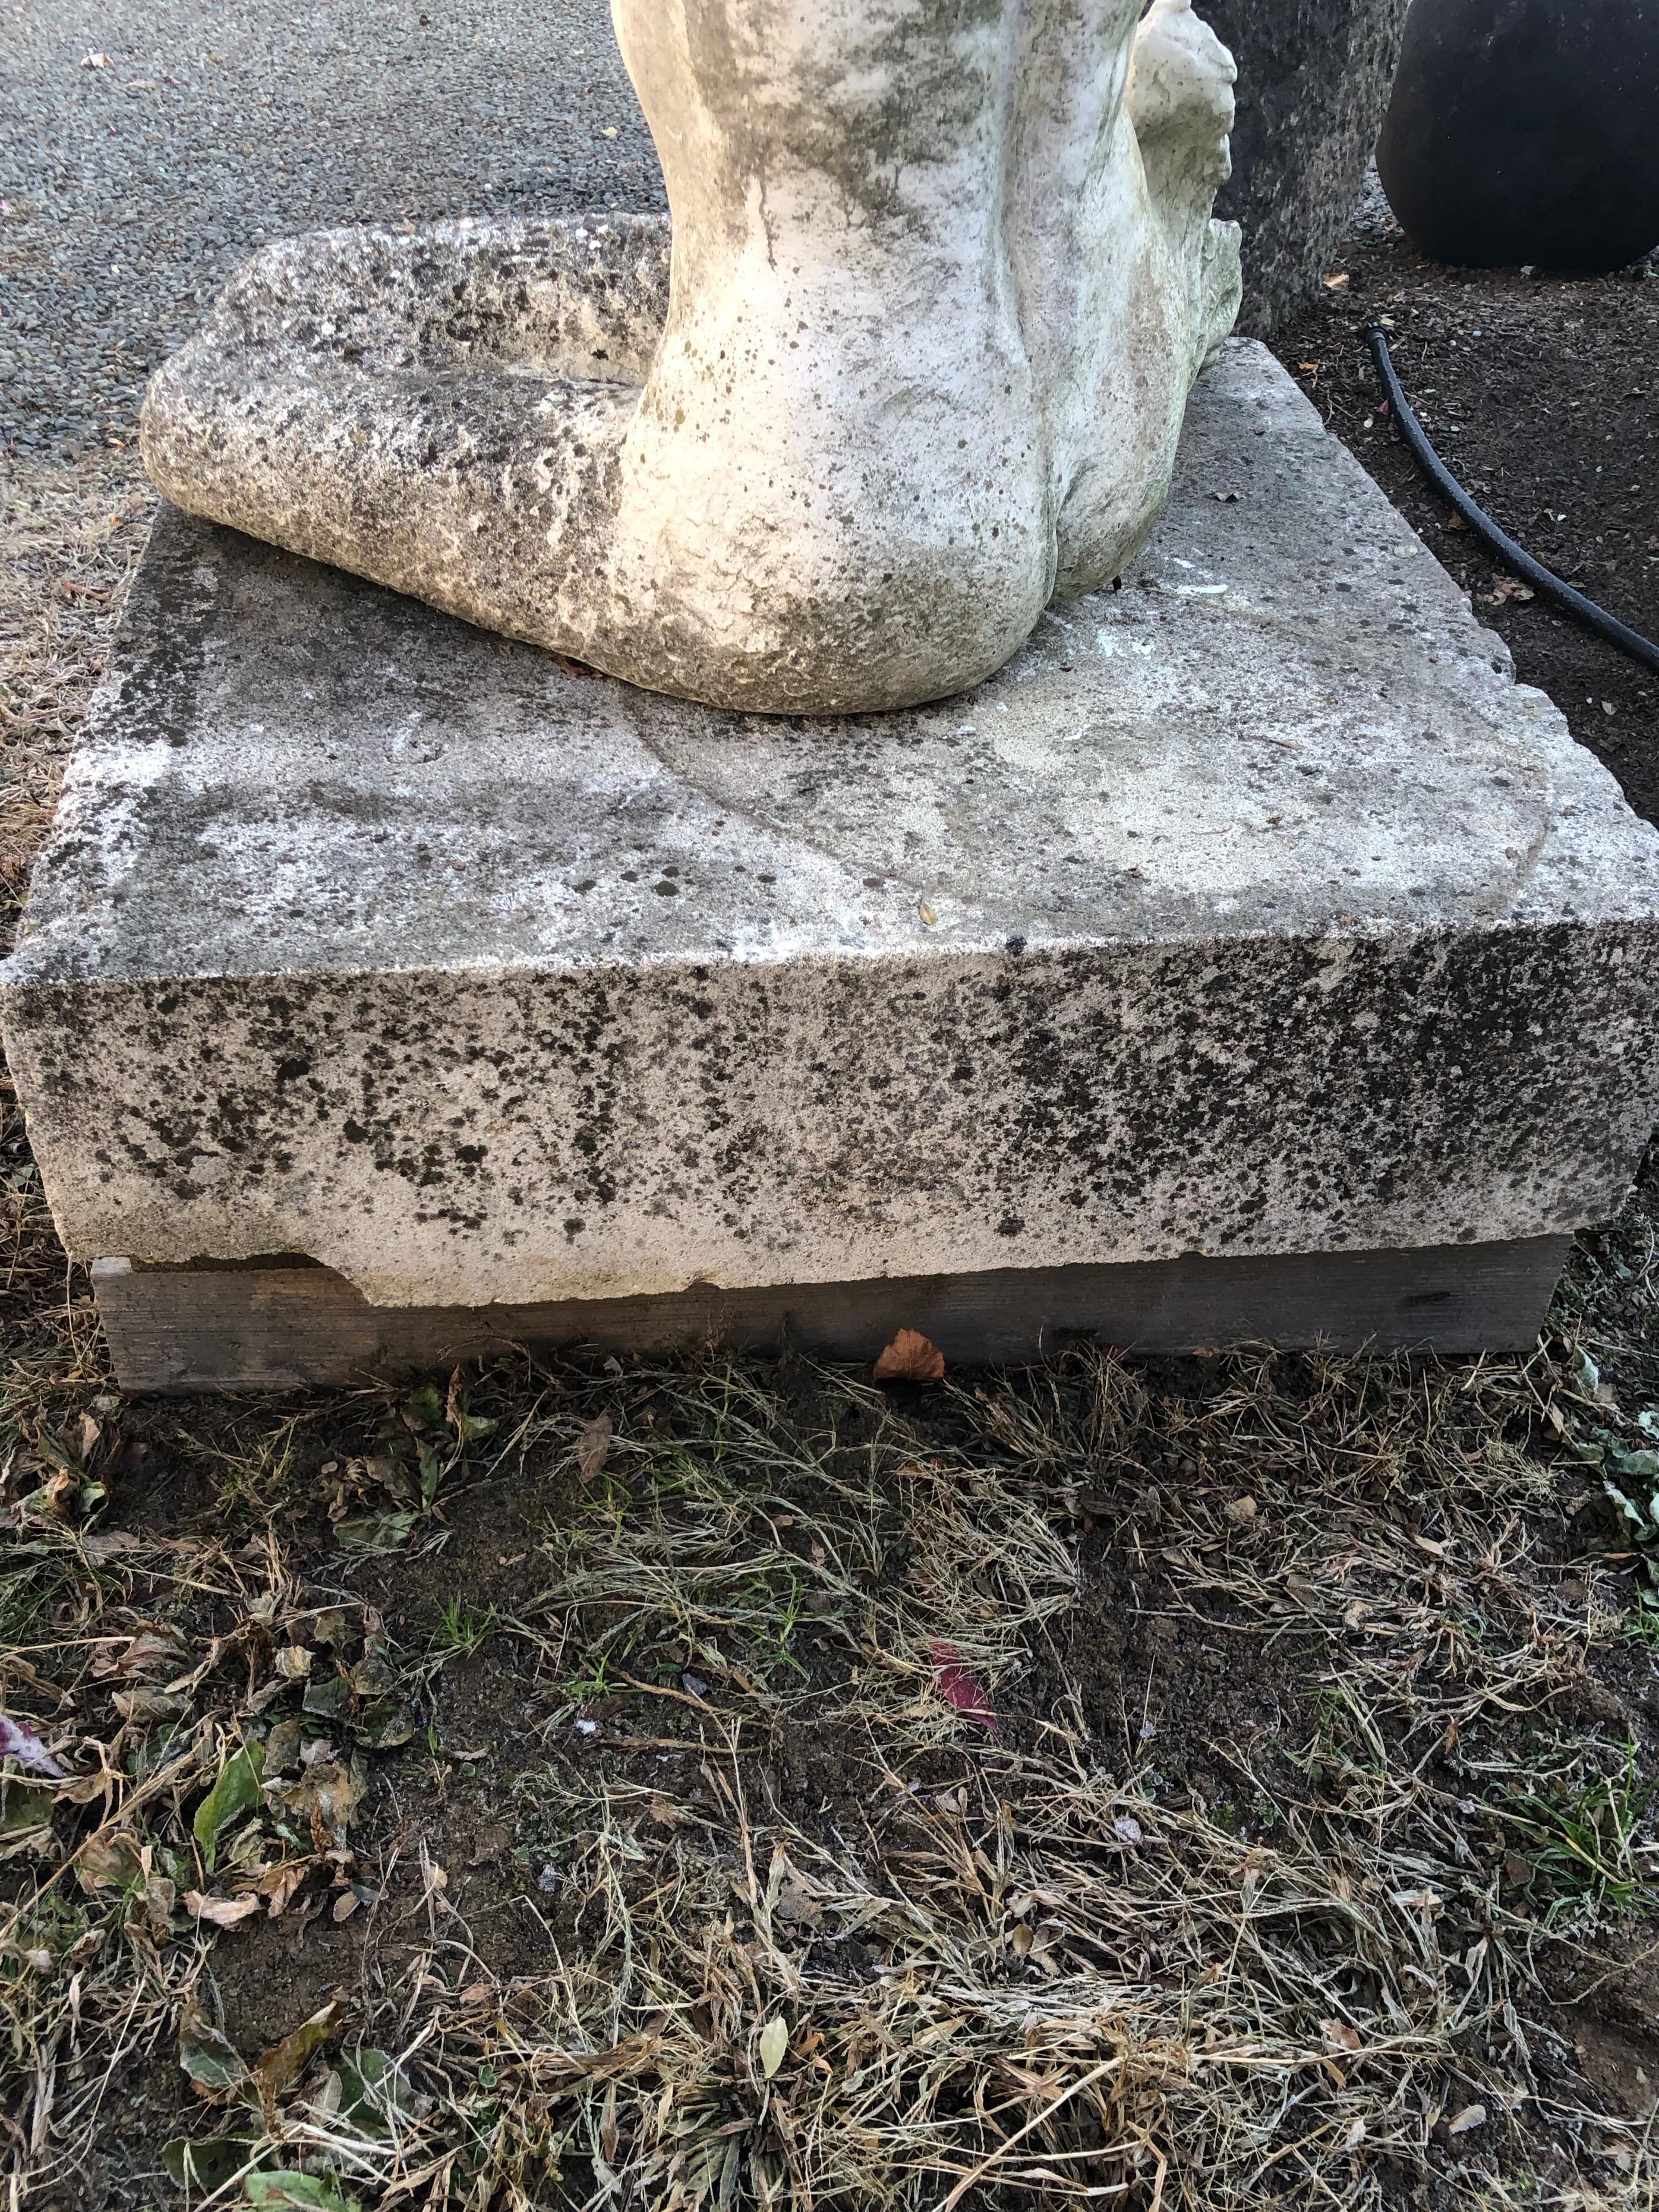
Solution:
(282, 1748)
(143, 1704)
(153, 1651)
(1339, 283)
(1338, 2036)
(278, 1886)
(110, 1862)
(773, 2046)
(593, 1447)
(325, 1797)
(105, 1543)
(1257, 1860)
(279, 2067)
(223, 1912)
(1505, 587)
(910, 1358)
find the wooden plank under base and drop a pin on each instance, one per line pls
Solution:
(281, 1323)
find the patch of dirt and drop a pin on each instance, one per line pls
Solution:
(1542, 395)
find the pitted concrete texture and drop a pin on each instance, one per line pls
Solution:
(1252, 909)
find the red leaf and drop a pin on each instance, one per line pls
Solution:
(960, 1686)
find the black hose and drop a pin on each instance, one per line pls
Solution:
(1542, 580)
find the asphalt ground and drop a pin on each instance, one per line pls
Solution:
(129, 188)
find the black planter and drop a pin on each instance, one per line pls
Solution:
(1527, 131)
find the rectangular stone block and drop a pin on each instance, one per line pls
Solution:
(1254, 909)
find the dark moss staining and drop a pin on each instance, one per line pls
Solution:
(1195, 1091)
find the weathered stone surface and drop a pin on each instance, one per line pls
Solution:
(1252, 909)
(941, 282)
(1313, 83)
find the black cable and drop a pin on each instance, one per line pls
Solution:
(1541, 578)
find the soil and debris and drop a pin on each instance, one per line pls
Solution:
(1218, 1782)
(1542, 395)
(1221, 1783)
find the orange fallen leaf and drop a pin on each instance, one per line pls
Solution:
(910, 1358)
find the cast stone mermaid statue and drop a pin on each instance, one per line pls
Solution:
(914, 363)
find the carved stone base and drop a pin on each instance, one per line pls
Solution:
(1252, 911)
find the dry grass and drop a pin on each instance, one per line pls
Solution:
(1010, 1966)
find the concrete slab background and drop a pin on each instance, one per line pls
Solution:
(128, 193)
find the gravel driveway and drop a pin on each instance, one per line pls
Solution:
(128, 191)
